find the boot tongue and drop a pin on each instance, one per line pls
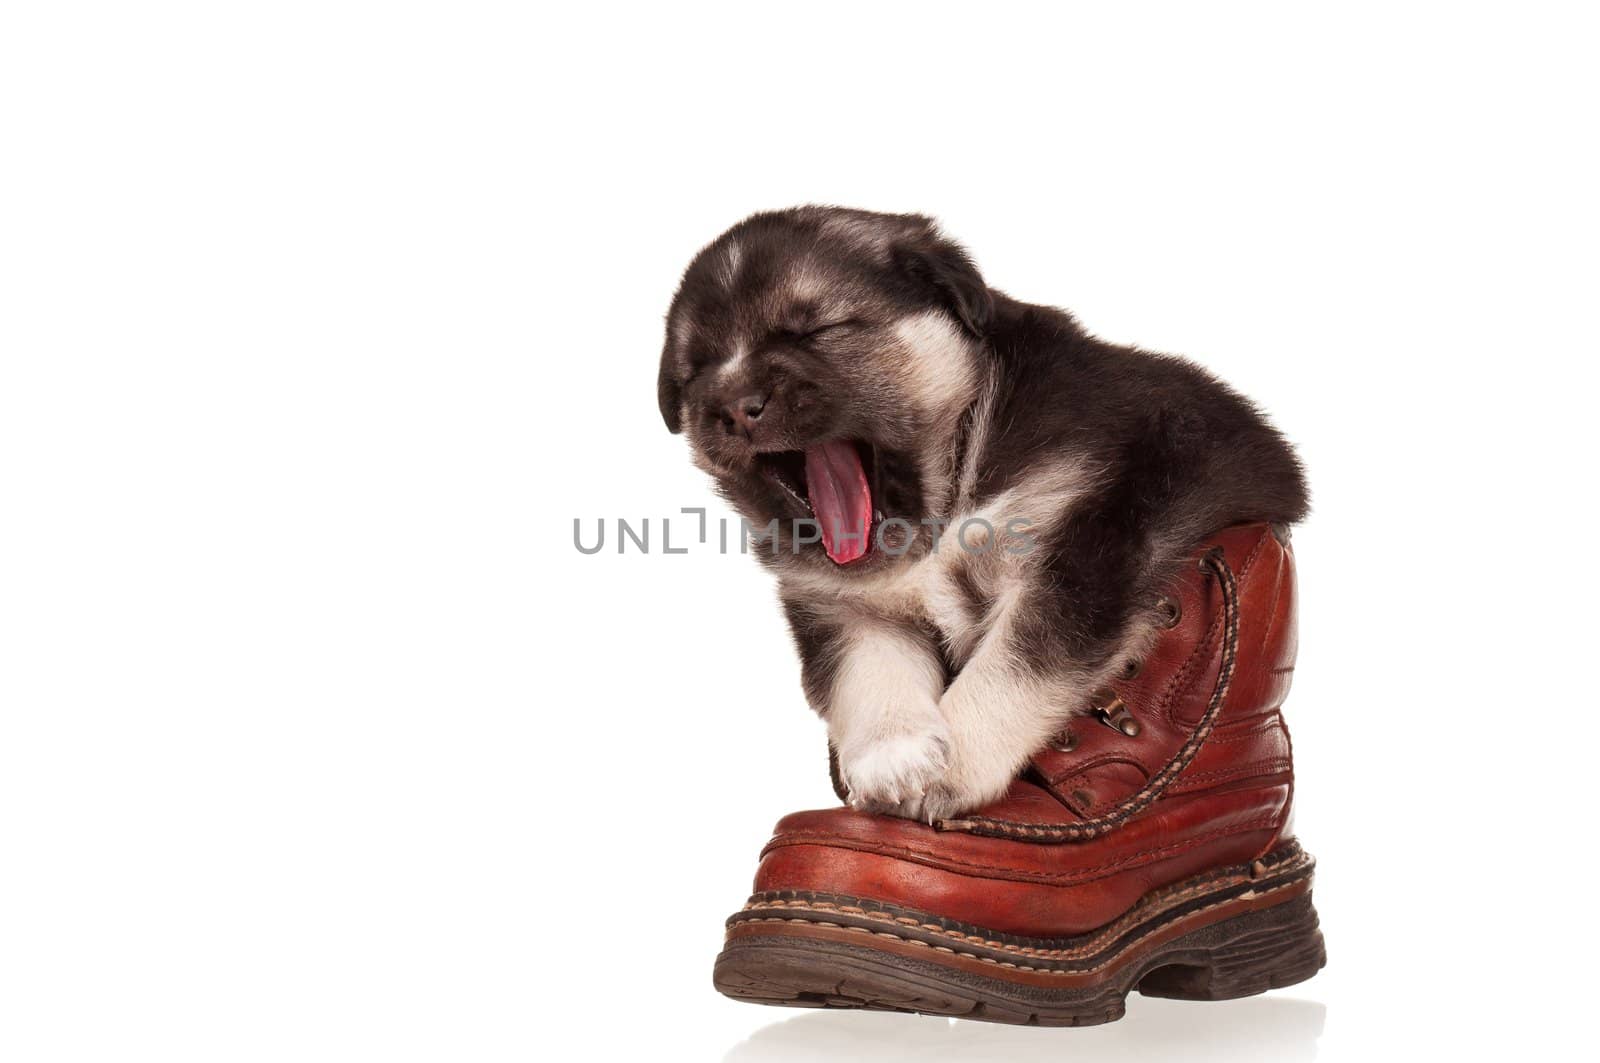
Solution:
(840, 498)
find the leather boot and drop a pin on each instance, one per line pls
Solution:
(1150, 847)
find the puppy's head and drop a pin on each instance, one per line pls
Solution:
(818, 360)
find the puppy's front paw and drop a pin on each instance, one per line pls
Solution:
(891, 774)
(949, 798)
(969, 782)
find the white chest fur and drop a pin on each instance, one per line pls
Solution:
(954, 590)
(976, 577)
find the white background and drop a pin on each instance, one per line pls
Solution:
(321, 322)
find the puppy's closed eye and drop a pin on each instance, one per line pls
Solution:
(817, 332)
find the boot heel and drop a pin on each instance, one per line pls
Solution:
(1242, 956)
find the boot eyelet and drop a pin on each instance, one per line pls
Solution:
(1083, 797)
(1132, 668)
(1065, 742)
(1168, 612)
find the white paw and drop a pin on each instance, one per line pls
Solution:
(948, 798)
(967, 783)
(891, 774)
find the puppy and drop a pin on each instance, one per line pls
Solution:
(970, 503)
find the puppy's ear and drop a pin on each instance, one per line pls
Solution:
(933, 262)
(669, 393)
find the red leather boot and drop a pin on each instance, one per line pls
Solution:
(1149, 848)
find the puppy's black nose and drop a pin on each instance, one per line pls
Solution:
(742, 413)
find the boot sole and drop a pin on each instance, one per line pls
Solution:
(1229, 933)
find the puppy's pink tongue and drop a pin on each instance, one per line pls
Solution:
(837, 486)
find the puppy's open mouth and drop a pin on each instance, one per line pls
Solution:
(831, 482)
